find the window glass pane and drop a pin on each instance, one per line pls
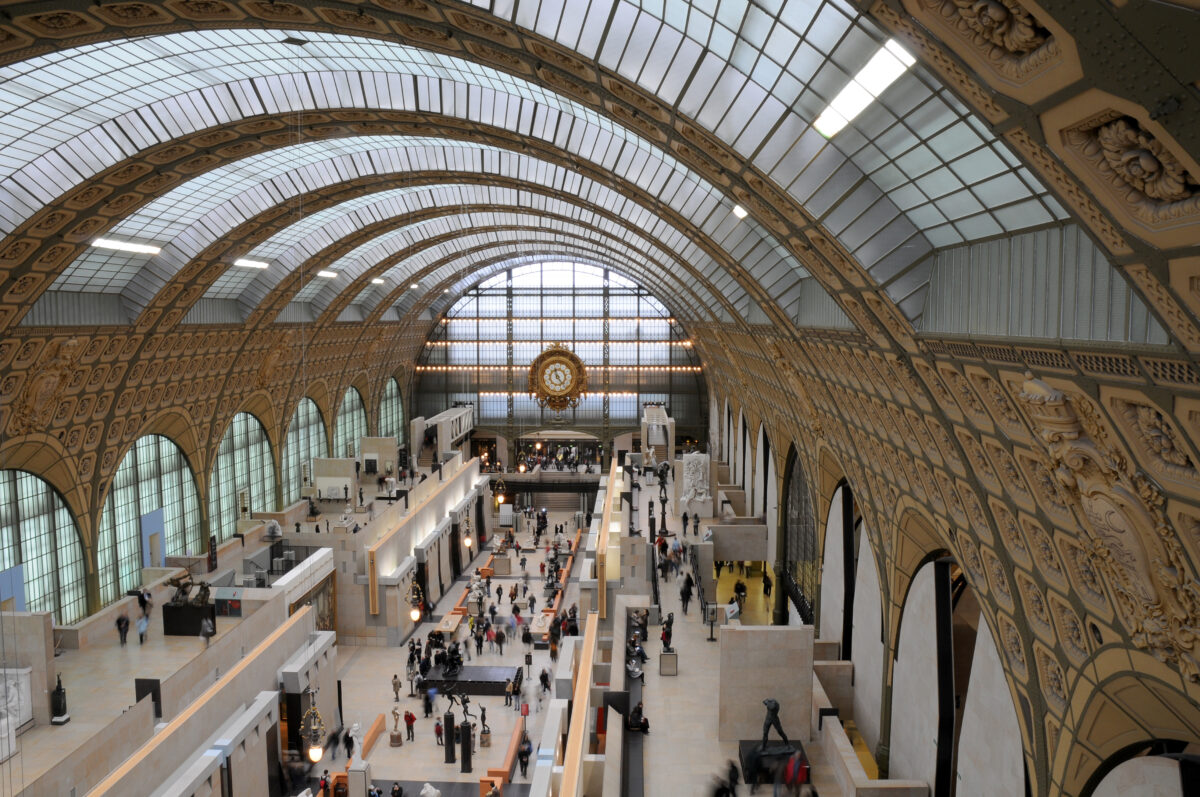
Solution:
(391, 412)
(634, 349)
(305, 440)
(244, 467)
(351, 425)
(38, 532)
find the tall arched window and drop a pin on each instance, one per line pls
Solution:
(153, 475)
(243, 465)
(351, 425)
(305, 440)
(391, 412)
(801, 549)
(38, 533)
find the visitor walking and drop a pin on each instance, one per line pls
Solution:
(123, 627)
(143, 629)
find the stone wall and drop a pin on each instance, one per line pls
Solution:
(765, 662)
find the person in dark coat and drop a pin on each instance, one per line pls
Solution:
(348, 741)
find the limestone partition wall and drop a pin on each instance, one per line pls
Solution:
(867, 647)
(990, 761)
(765, 662)
(914, 730)
(27, 639)
(1149, 776)
(832, 603)
(158, 759)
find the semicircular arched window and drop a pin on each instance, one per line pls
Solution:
(153, 492)
(243, 477)
(39, 544)
(801, 548)
(351, 425)
(306, 439)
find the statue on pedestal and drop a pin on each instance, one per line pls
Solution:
(772, 720)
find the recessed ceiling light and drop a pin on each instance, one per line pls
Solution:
(126, 246)
(241, 261)
(414, 286)
(327, 274)
(446, 291)
(881, 71)
(376, 281)
(739, 211)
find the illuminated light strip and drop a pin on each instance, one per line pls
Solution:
(884, 68)
(327, 274)
(126, 246)
(244, 263)
(674, 368)
(685, 343)
(525, 394)
(597, 319)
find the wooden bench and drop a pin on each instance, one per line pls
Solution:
(504, 773)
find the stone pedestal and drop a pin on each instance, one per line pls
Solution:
(502, 565)
(485, 738)
(668, 663)
(396, 740)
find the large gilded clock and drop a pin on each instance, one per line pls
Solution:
(557, 378)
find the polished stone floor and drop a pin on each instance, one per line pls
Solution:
(366, 674)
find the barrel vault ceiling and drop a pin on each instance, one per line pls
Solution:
(1023, 196)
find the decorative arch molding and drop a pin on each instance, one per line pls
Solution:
(830, 475)
(44, 456)
(262, 407)
(914, 544)
(190, 283)
(452, 281)
(361, 381)
(1136, 699)
(175, 425)
(580, 82)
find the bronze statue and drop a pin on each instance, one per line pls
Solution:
(202, 594)
(182, 585)
(772, 719)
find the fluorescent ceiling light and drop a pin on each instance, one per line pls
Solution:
(881, 71)
(739, 211)
(376, 281)
(413, 286)
(327, 274)
(126, 246)
(241, 261)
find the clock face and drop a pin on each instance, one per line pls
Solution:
(557, 377)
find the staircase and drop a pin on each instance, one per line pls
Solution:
(425, 457)
(557, 502)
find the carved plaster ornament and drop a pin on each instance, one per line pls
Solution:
(1001, 23)
(1156, 187)
(1143, 162)
(1131, 540)
(796, 383)
(37, 403)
